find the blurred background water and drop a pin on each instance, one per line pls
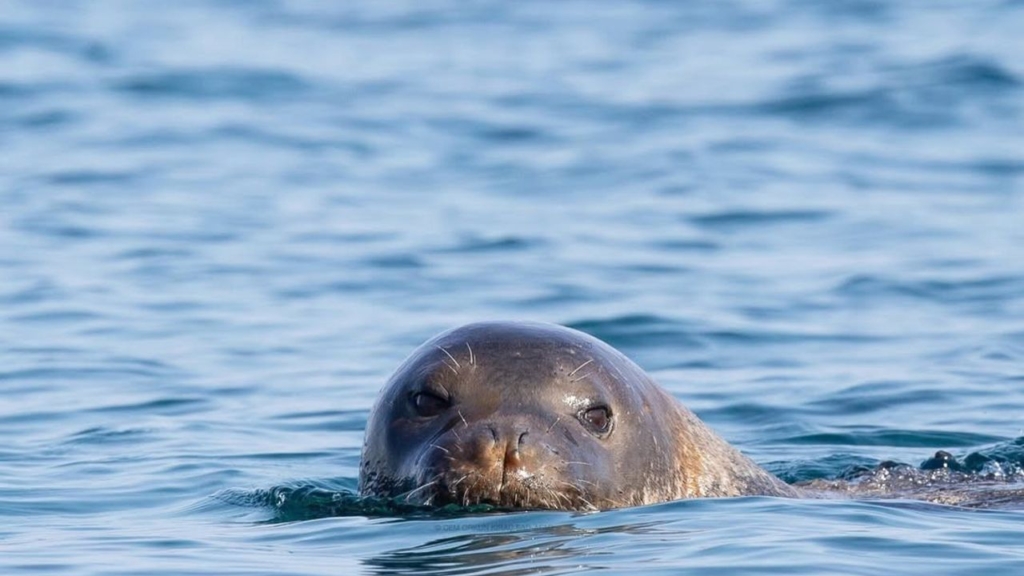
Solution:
(222, 225)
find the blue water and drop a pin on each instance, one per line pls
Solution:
(223, 224)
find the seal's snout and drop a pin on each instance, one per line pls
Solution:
(513, 460)
(492, 462)
(499, 443)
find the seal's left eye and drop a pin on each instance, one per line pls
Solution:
(598, 419)
(428, 404)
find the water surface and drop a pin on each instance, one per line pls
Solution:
(222, 225)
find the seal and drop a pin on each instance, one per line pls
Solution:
(539, 416)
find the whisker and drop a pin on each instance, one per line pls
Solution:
(472, 359)
(580, 366)
(450, 367)
(450, 356)
(409, 494)
(553, 423)
(587, 502)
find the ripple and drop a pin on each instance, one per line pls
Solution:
(922, 96)
(780, 337)
(164, 406)
(338, 498)
(880, 396)
(248, 134)
(37, 292)
(977, 481)
(103, 435)
(874, 11)
(825, 468)
(971, 72)
(61, 227)
(58, 316)
(256, 85)
(396, 261)
(149, 253)
(968, 290)
(749, 218)
(638, 330)
(862, 105)
(894, 437)
(91, 178)
(684, 245)
(333, 420)
(1002, 167)
(87, 49)
(48, 119)
(84, 372)
(474, 245)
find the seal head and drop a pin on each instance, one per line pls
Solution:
(529, 415)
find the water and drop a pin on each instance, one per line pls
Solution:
(222, 225)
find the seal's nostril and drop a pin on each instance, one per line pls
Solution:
(521, 436)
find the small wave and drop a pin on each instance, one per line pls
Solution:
(88, 49)
(969, 71)
(922, 95)
(107, 435)
(867, 10)
(1006, 458)
(967, 290)
(216, 83)
(312, 501)
(477, 244)
(876, 396)
(748, 218)
(896, 438)
(988, 478)
(637, 331)
(396, 261)
(91, 178)
(286, 139)
(164, 406)
(46, 119)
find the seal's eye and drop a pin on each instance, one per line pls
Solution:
(428, 404)
(597, 419)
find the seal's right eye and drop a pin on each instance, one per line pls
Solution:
(597, 419)
(428, 404)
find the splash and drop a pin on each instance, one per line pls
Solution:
(989, 478)
(311, 501)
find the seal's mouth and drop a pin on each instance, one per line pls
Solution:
(516, 490)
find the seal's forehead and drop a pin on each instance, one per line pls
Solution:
(518, 336)
(528, 355)
(545, 346)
